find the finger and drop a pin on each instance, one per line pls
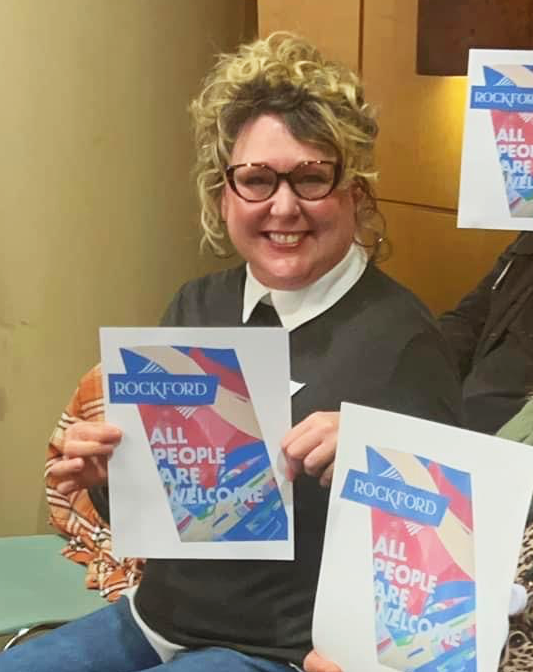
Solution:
(66, 487)
(292, 468)
(317, 431)
(76, 448)
(315, 663)
(299, 429)
(320, 420)
(300, 447)
(325, 479)
(320, 457)
(65, 468)
(100, 432)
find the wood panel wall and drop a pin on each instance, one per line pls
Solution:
(331, 26)
(419, 145)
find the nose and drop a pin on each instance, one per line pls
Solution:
(285, 203)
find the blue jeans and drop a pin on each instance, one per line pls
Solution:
(109, 640)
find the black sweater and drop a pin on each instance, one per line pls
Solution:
(376, 346)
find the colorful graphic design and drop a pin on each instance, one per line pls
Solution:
(209, 452)
(423, 559)
(513, 132)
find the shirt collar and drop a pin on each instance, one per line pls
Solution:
(295, 307)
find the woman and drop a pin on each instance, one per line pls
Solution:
(285, 154)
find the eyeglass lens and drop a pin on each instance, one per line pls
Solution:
(308, 180)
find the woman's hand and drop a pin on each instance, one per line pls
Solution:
(86, 450)
(310, 446)
(315, 663)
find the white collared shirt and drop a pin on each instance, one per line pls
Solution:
(297, 306)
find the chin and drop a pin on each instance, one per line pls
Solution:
(285, 277)
(288, 282)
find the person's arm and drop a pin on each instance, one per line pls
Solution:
(424, 382)
(82, 442)
(86, 404)
(82, 515)
(73, 475)
(462, 327)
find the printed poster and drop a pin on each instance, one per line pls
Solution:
(497, 162)
(199, 472)
(422, 540)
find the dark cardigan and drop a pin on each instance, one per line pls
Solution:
(376, 346)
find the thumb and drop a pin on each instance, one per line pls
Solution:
(313, 662)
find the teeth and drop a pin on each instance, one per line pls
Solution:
(285, 238)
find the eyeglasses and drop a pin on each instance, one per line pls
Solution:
(310, 180)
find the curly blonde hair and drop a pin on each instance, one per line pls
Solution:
(321, 102)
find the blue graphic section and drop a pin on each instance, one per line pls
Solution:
(224, 356)
(162, 389)
(460, 659)
(505, 98)
(459, 479)
(134, 363)
(394, 497)
(493, 77)
(379, 466)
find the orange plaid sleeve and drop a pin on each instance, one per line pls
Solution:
(74, 516)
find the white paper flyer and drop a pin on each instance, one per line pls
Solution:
(497, 162)
(424, 529)
(199, 472)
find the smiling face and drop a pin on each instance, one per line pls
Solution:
(289, 242)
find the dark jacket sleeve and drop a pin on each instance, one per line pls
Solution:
(463, 326)
(425, 383)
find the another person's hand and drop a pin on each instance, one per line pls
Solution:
(310, 446)
(86, 450)
(313, 662)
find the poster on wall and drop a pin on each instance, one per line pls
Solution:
(496, 189)
(424, 529)
(199, 472)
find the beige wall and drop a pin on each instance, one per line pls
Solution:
(98, 220)
(419, 145)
